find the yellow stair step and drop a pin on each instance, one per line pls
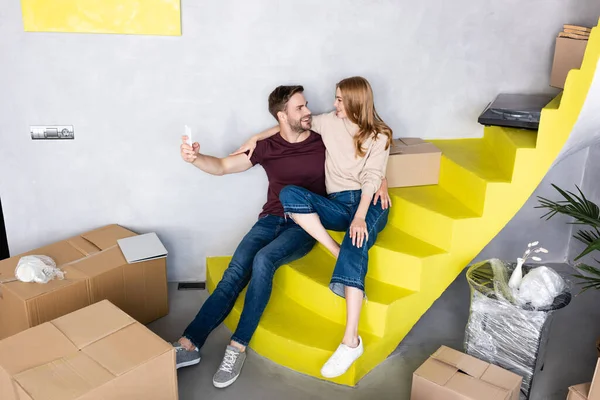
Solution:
(470, 168)
(467, 167)
(394, 239)
(517, 138)
(306, 281)
(428, 213)
(433, 198)
(397, 257)
(293, 336)
(284, 316)
(474, 155)
(506, 142)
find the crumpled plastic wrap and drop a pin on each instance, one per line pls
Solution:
(503, 331)
(540, 287)
(38, 269)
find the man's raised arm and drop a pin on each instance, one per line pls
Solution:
(213, 165)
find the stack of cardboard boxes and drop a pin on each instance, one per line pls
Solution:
(78, 337)
(95, 269)
(568, 53)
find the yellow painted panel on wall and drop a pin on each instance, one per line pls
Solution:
(138, 17)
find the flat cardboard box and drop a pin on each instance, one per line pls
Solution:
(587, 391)
(449, 374)
(95, 270)
(573, 35)
(413, 162)
(577, 32)
(568, 55)
(577, 28)
(579, 392)
(98, 352)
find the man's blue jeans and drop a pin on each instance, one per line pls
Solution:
(336, 213)
(272, 242)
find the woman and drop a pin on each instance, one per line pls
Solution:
(357, 142)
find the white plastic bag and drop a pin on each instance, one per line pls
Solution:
(540, 286)
(39, 269)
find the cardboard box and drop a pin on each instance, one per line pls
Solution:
(413, 162)
(449, 374)
(587, 391)
(95, 270)
(579, 392)
(568, 55)
(98, 352)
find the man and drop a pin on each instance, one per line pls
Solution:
(295, 156)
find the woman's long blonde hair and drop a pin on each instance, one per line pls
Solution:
(357, 97)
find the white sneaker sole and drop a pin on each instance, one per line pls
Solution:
(223, 385)
(188, 363)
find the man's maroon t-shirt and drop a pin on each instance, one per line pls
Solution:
(301, 164)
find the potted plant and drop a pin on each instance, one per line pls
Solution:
(585, 213)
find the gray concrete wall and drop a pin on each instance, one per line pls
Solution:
(591, 178)
(590, 187)
(433, 65)
(528, 226)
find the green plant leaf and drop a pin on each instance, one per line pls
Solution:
(587, 279)
(595, 245)
(588, 268)
(590, 207)
(585, 289)
(587, 237)
(592, 280)
(584, 212)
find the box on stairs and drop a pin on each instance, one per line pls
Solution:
(568, 53)
(413, 162)
(449, 374)
(95, 269)
(587, 391)
(98, 352)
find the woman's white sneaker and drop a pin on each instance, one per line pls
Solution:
(342, 359)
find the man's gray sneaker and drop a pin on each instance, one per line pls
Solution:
(184, 357)
(230, 368)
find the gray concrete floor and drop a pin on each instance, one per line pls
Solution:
(570, 358)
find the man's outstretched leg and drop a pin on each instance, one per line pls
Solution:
(221, 301)
(292, 243)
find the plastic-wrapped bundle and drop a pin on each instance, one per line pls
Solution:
(39, 269)
(503, 331)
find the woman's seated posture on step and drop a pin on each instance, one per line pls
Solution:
(357, 142)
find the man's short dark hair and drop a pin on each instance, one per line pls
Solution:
(279, 98)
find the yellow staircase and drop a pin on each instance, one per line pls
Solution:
(432, 234)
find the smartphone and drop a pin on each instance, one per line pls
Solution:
(188, 133)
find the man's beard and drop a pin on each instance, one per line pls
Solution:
(296, 126)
